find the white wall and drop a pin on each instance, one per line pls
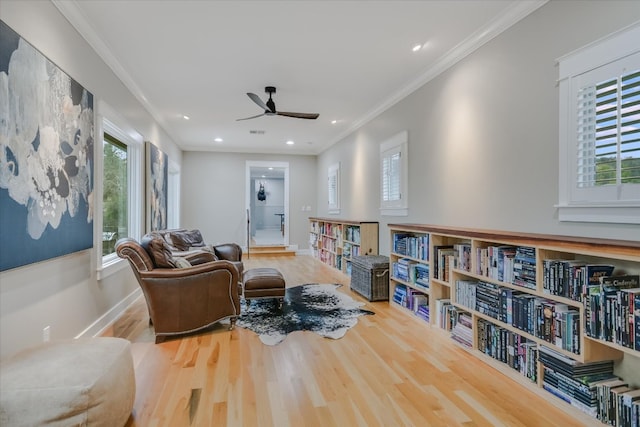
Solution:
(63, 293)
(483, 136)
(213, 194)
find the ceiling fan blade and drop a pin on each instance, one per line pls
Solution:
(252, 117)
(310, 116)
(255, 98)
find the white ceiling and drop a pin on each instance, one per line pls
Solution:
(346, 60)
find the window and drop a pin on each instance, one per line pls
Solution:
(600, 131)
(333, 188)
(393, 176)
(120, 193)
(115, 221)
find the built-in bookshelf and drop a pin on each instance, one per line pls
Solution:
(335, 242)
(554, 313)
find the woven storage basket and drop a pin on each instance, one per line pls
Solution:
(370, 276)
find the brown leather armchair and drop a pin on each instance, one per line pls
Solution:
(182, 300)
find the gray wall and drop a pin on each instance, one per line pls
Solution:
(63, 293)
(483, 136)
(214, 194)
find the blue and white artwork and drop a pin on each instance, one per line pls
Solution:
(157, 186)
(46, 157)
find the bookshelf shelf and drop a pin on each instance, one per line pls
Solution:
(335, 242)
(570, 298)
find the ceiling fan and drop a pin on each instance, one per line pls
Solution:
(270, 107)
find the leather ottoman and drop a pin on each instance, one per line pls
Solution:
(263, 283)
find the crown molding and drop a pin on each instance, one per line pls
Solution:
(510, 16)
(79, 21)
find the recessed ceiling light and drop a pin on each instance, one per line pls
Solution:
(218, 139)
(416, 47)
(333, 122)
(270, 169)
(290, 142)
(185, 117)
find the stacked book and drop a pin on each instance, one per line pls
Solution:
(410, 245)
(466, 293)
(400, 295)
(572, 381)
(462, 256)
(421, 275)
(612, 310)
(508, 347)
(461, 330)
(443, 313)
(523, 269)
(403, 270)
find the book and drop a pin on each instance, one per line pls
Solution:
(636, 322)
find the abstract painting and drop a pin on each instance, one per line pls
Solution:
(46, 157)
(157, 183)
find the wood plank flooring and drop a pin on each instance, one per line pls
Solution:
(389, 370)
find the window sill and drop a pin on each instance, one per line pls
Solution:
(612, 214)
(394, 211)
(110, 266)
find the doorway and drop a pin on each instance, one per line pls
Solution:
(267, 204)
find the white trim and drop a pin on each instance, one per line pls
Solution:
(394, 211)
(266, 164)
(603, 214)
(111, 122)
(509, 17)
(70, 10)
(98, 327)
(333, 173)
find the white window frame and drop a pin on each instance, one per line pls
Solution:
(333, 189)
(397, 144)
(111, 123)
(173, 196)
(616, 203)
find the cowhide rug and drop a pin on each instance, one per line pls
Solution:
(313, 307)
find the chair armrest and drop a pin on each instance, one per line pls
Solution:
(228, 251)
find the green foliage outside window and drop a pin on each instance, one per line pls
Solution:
(114, 213)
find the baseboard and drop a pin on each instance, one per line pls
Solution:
(104, 321)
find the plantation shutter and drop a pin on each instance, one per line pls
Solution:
(391, 177)
(608, 132)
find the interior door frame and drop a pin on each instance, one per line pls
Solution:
(248, 193)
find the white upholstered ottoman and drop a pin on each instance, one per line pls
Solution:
(83, 382)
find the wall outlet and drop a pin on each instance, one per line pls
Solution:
(46, 333)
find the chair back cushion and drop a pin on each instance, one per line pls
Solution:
(183, 240)
(159, 250)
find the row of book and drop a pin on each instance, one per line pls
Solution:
(508, 347)
(462, 328)
(411, 271)
(328, 244)
(509, 264)
(411, 245)
(570, 278)
(331, 230)
(549, 320)
(412, 299)
(444, 260)
(612, 310)
(350, 250)
(591, 387)
(330, 258)
(352, 234)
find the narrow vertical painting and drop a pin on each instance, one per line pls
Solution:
(157, 184)
(46, 157)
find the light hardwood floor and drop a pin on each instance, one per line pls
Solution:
(389, 370)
